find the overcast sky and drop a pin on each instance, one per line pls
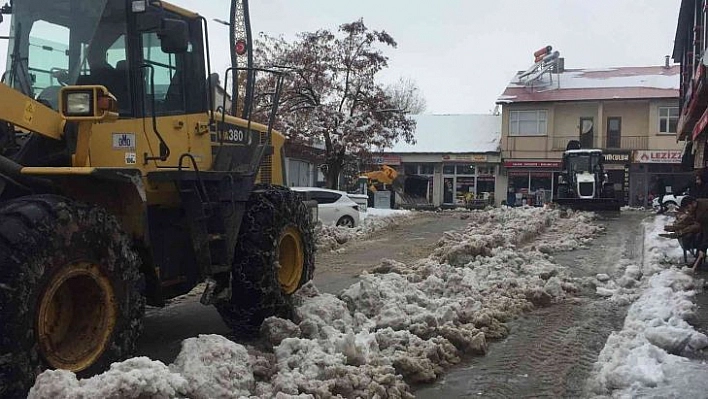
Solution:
(462, 53)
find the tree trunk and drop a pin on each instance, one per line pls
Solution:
(335, 164)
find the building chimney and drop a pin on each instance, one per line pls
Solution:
(667, 65)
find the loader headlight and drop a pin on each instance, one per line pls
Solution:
(79, 103)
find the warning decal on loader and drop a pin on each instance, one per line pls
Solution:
(29, 111)
(130, 158)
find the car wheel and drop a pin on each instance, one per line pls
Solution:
(345, 221)
(671, 206)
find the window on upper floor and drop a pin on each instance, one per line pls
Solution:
(528, 123)
(614, 132)
(668, 120)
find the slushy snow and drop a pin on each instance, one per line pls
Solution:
(647, 358)
(403, 324)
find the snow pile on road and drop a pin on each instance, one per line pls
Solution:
(132, 378)
(405, 325)
(648, 356)
(330, 237)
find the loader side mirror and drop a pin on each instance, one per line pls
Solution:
(174, 36)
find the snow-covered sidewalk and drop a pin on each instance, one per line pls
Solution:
(404, 325)
(647, 358)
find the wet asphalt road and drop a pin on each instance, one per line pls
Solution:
(185, 317)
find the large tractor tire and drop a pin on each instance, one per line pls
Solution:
(68, 296)
(274, 257)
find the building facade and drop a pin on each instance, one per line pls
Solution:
(454, 162)
(631, 113)
(690, 53)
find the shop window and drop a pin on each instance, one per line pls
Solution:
(427, 168)
(449, 169)
(465, 169)
(541, 188)
(410, 168)
(668, 120)
(485, 170)
(485, 187)
(519, 181)
(528, 123)
(464, 189)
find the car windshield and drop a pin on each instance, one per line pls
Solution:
(49, 47)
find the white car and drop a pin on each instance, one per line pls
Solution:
(333, 207)
(670, 201)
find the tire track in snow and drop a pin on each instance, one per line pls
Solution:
(550, 352)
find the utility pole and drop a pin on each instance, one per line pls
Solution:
(241, 55)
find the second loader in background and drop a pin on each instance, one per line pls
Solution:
(583, 183)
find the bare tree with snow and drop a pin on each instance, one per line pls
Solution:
(407, 96)
(331, 95)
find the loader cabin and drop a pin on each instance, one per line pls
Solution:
(114, 43)
(152, 56)
(579, 161)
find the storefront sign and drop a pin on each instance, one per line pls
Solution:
(617, 157)
(657, 156)
(465, 157)
(532, 164)
(700, 125)
(391, 160)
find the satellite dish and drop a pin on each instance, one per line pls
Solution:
(586, 126)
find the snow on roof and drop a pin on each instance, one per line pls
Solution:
(596, 84)
(454, 133)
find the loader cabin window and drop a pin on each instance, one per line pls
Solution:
(50, 47)
(178, 84)
(584, 162)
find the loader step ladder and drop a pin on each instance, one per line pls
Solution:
(213, 226)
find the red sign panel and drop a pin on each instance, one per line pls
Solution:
(701, 125)
(532, 164)
(657, 156)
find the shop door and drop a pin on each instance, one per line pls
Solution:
(449, 190)
(638, 188)
(616, 178)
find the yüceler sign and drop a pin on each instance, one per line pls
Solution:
(657, 156)
(531, 164)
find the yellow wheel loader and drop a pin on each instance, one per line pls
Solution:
(120, 185)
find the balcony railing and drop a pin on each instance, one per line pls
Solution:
(621, 143)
